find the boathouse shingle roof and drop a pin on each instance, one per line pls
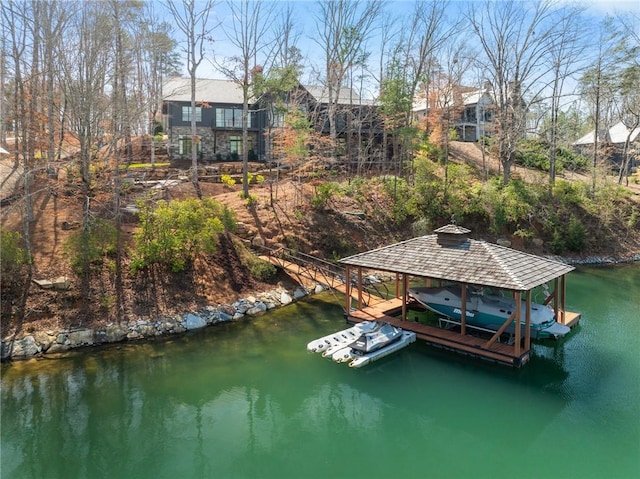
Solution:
(464, 261)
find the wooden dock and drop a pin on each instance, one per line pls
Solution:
(372, 307)
(440, 337)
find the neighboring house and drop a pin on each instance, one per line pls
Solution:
(219, 119)
(613, 141)
(473, 110)
(358, 127)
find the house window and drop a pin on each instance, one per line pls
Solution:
(470, 114)
(186, 113)
(185, 145)
(231, 118)
(235, 145)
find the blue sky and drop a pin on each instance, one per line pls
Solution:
(305, 12)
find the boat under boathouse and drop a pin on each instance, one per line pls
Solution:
(451, 256)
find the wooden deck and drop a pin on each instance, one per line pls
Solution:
(377, 308)
(444, 338)
(439, 337)
(569, 318)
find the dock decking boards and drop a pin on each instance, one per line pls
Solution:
(466, 344)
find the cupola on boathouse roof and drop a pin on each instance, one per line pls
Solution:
(451, 255)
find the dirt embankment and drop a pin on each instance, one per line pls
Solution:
(282, 214)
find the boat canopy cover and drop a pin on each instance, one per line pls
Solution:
(465, 261)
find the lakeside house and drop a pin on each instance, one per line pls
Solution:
(219, 120)
(471, 109)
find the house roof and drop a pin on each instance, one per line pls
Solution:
(616, 134)
(474, 97)
(228, 91)
(207, 90)
(469, 97)
(320, 94)
(440, 256)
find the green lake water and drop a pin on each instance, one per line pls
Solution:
(246, 400)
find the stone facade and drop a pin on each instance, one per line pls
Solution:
(216, 144)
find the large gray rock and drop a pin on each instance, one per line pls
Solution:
(299, 293)
(258, 241)
(259, 307)
(58, 348)
(81, 337)
(193, 321)
(285, 298)
(148, 330)
(44, 339)
(20, 348)
(115, 333)
(61, 283)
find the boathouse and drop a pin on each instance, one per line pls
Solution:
(450, 255)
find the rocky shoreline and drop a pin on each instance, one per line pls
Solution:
(50, 342)
(42, 343)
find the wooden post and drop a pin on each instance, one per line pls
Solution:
(517, 296)
(463, 310)
(397, 285)
(555, 297)
(347, 287)
(405, 287)
(500, 330)
(527, 324)
(359, 287)
(563, 296)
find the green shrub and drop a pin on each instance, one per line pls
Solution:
(173, 234)
(572, 192)
(12, 255)
(512, 206)
(91, 245)
(533, 154)
(403, 203)
(258, 268)
(568, 159)
(576, 235)
(262, 270)
(557, 242)
(324, 193)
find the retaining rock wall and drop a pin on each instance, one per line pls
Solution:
(48, 342)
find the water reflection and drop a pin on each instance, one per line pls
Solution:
(246, 400)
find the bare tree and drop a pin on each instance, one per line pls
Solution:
(15, 22)
(413, 66)
(157, 59)
(514, 39)
(597, 87)
(192, 19)
(566, 47)
(86, 71)
(250, 22)
(343, 27)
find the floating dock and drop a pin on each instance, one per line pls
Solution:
(337, 345)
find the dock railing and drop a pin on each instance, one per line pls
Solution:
(322, 271)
